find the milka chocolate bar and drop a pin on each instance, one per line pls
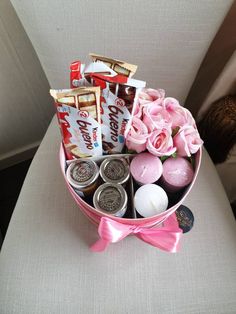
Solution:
(120, 67)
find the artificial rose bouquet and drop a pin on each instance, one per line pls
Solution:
(162, 126)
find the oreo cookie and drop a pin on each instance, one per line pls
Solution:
(185, 218)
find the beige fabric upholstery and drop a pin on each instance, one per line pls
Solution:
(46, 266)
(167, 39)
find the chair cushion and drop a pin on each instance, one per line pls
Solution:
(46, 265)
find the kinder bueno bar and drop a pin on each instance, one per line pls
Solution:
(76, 74)
(80, 75)
(116, 109)
(120, 67)
(78, 112)
(98, 68)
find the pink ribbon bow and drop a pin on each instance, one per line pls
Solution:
(165, 238)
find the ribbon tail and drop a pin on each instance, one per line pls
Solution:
(166, 238)
(100, 245)
(166, 241)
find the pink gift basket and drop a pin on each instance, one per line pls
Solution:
(112, 114)
(168, 237)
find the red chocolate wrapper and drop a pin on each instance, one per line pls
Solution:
(80, 75)
(118, 98)
(78, 113)
(120, 67)
(75, 73)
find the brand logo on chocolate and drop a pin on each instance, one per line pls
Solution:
(114, 121)
(120, 102)
(95, 134)
(83, 114)
(83, 127)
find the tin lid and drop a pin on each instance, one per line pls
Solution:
(115, 170)
(110, 198)
(81, 173)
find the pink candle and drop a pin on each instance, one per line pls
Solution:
(146, 168)
(177, 173)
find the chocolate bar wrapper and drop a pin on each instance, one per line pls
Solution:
(78, 113)
(120, 67)
(80, 74)
(76, 74)
(116, 109)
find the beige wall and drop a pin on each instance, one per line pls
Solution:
(25, 106)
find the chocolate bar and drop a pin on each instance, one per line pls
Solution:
(80, 75)
(116, 109)
(120, 67)
(78, 112)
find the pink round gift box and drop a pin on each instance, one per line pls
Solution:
(94, 215)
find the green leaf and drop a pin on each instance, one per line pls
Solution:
(163, 158)
(175, 131)
(192, 161)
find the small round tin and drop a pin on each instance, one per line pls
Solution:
(82, 175)
(115, 170)
(111, 199)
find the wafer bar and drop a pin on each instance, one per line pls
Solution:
(80, 74)
(116, 109)
(78, 112)
(120, 67)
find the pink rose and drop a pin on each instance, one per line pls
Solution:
(138, 111)
(137, 136)
(179, 115)
(156, 117)
(189, 120)
(148, 95)
(160, 143)
(187, 141)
